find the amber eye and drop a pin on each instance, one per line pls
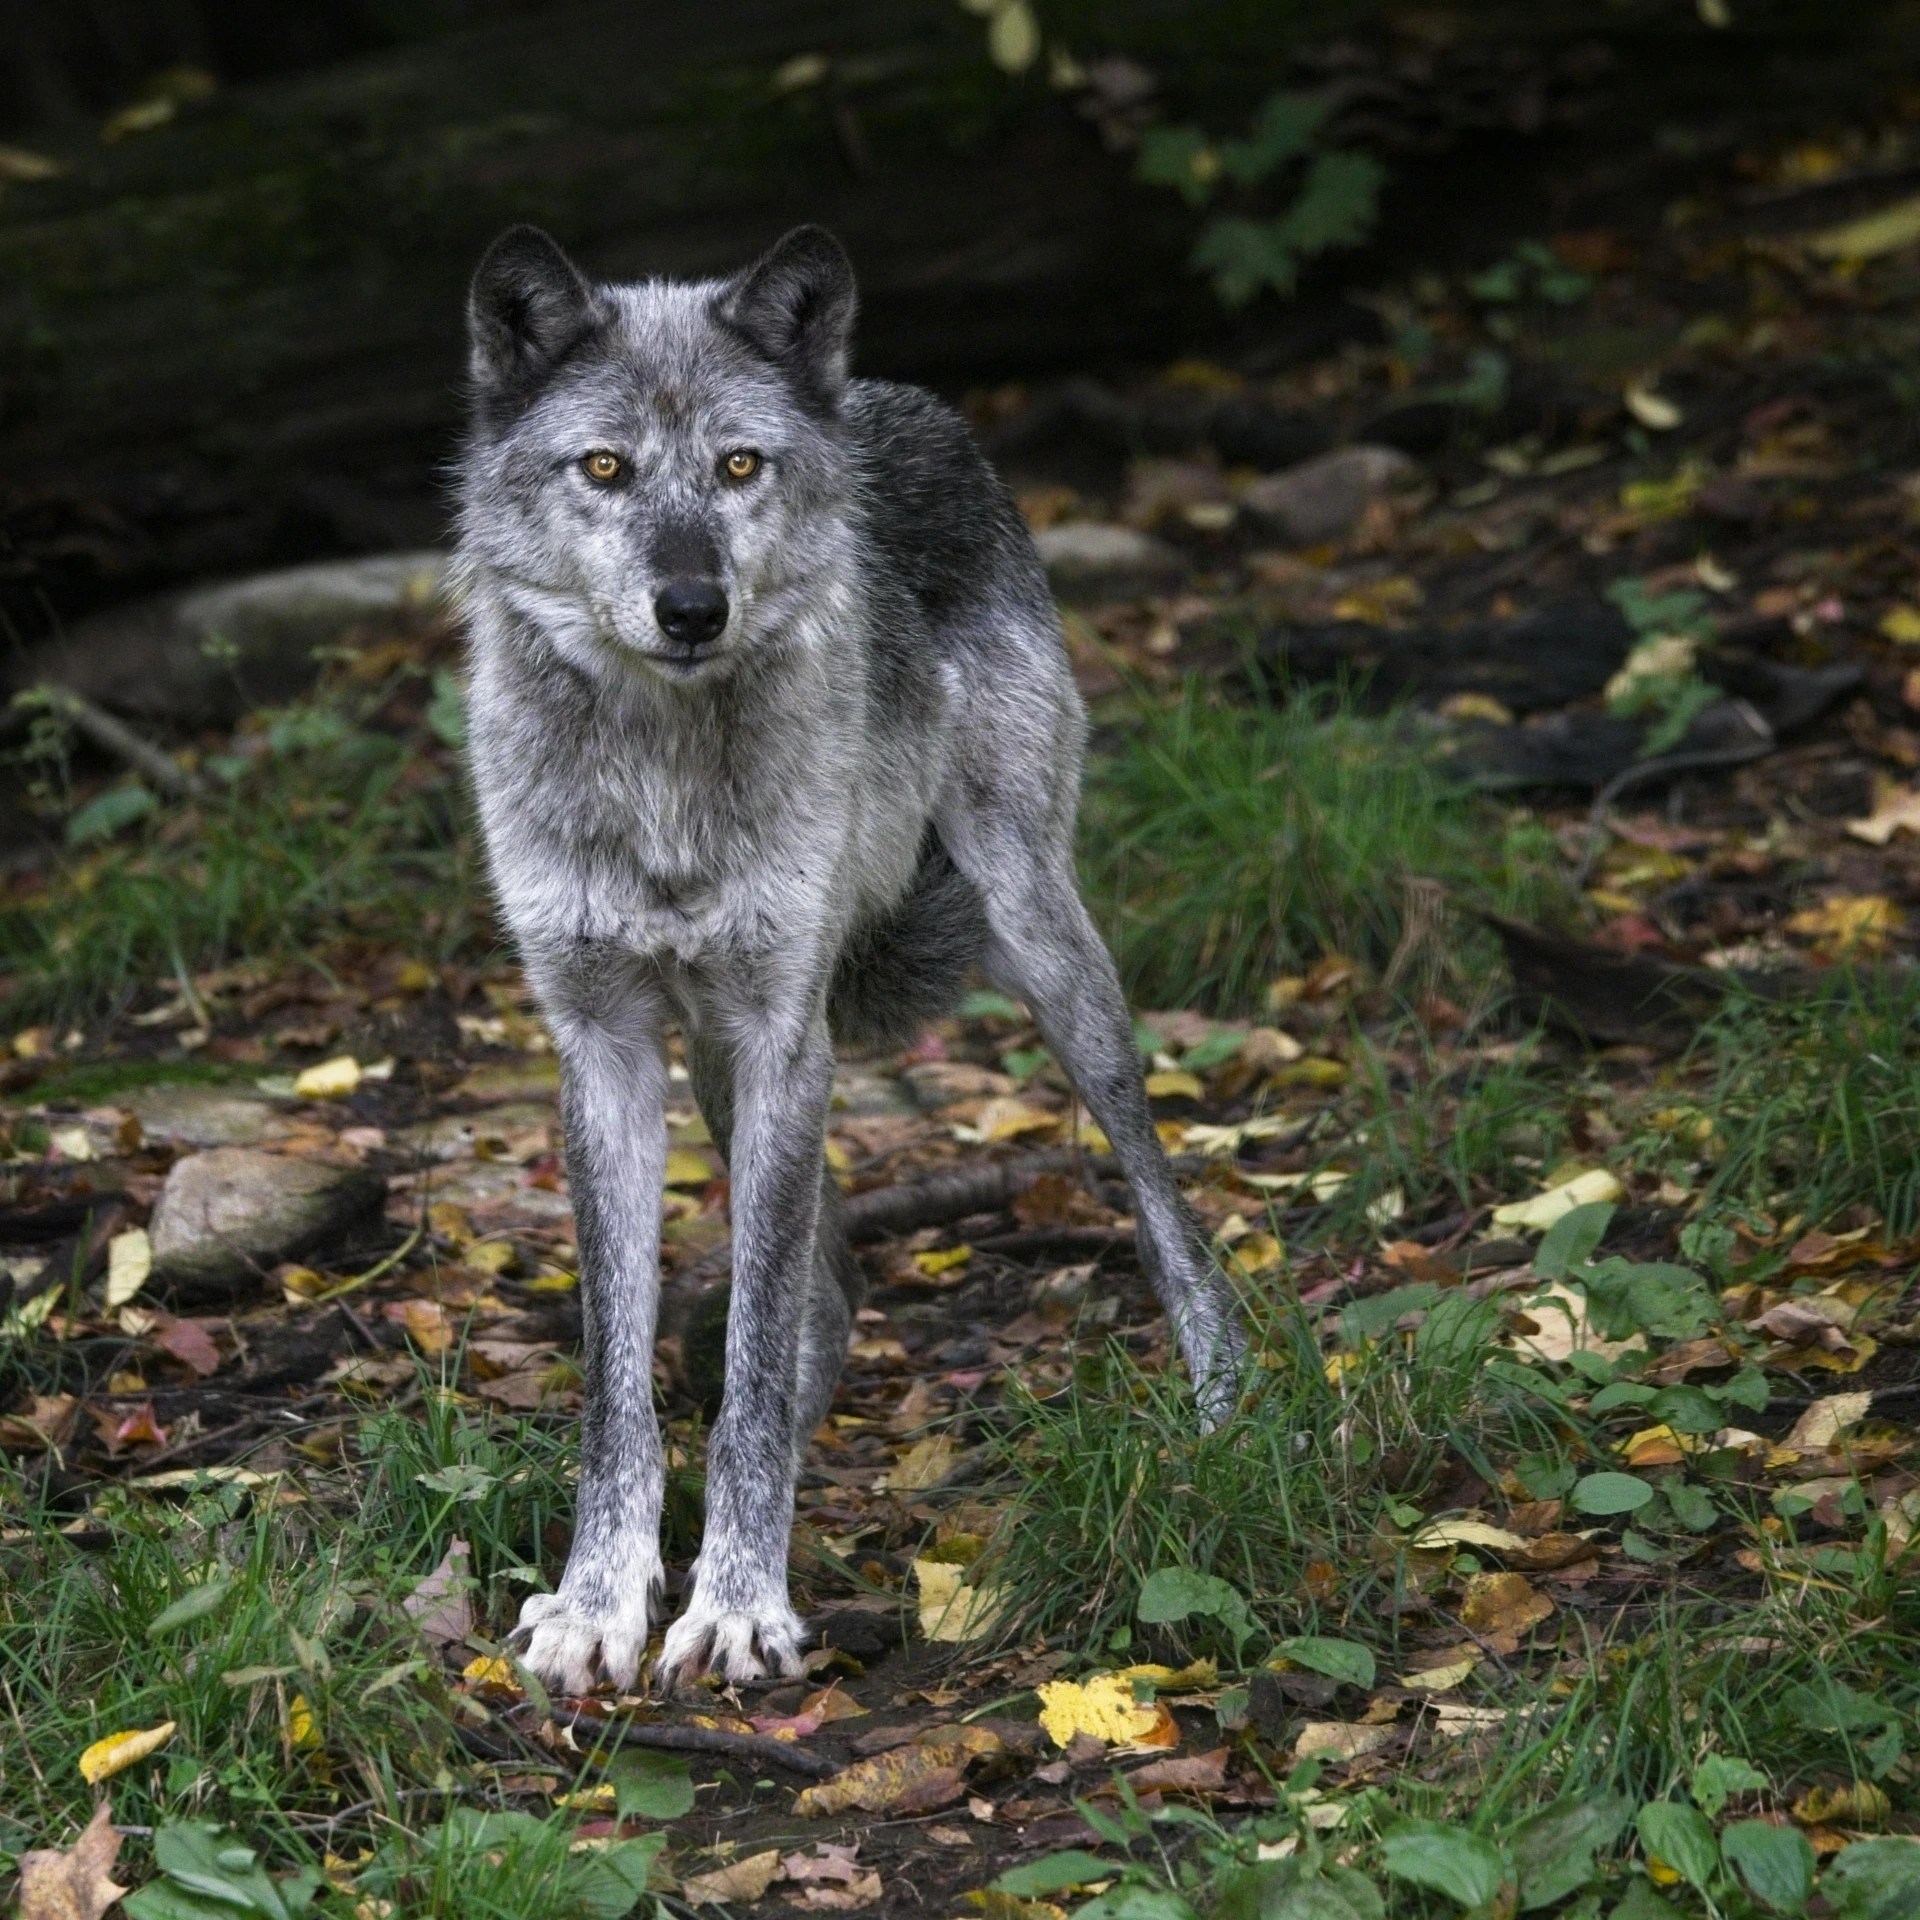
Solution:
(741, 464)
(603, 466)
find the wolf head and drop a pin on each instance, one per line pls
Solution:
(656, 475)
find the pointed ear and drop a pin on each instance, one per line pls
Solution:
(796, 305)
(528, 304)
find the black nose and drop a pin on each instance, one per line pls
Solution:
(690, 611)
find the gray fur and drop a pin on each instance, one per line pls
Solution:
(814, 822)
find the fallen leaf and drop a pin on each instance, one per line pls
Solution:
(1005, 1118)
(1102, 1707)
(1848, 923)
(951, 1612)
(1539, 1213)
(1653, 410)
(1174, 1083)
(118, 1751)
(743, 1881)
(1895, 810)
(1502, 1606)
(1823, 1422)
(685, 1168)
(935, 1261)
(1859, 1804)
(1901, 625)
(303, 1728)
(1804, 1321)
(1561, 1327)
(78, 1884)
(426, 1322)
(1454, 1720)
(1442, 1679)
(440, 1604)
(1872, 234)
(1188, 1773)
(1339, 1740)
(129, 1262)
(44, 1426)
(188, 1341)
(1467, 1533)
(918, 1778)
(1552, 1551)
(330, 1080)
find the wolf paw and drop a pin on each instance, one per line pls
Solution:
(739, 1644)
(574, 1648)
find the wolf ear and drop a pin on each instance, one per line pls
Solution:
(528, 304)
(796, 305)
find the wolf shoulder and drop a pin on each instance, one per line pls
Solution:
(937, 518)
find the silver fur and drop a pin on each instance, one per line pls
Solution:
(809, 826)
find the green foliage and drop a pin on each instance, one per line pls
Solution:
(1659, 677)
(208, 1877)
(1333, 194)
(1224, 845)
(326, 829)
(1174, 1594)
(502, 1866)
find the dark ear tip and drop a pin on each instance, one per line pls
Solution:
(516, 247)
(815, 245)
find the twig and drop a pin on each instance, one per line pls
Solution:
(742, 1746)
(374, 1272)
(193, 1442)
(104, 730)
(1066, 1239)
(314, 1822)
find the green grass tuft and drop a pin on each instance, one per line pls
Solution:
(1224, 845)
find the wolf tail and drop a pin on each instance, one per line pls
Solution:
(906, 968)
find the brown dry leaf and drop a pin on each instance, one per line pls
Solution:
(1189, 1773)
(833, 1703)
(739, 1882)
(441, 1604)
(78, 1884)
(1502, 1606)
(1551, 1551)
(918, 1405)
(1804, 1323)
(44, 1426)
(119, 1751)
(1823, 1422)
(188, 1341)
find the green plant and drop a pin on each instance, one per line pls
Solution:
(1660, 677)
(1223, 844)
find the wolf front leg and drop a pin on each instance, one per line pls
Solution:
(1046, 949)
(739, 1619)
(607, 1030)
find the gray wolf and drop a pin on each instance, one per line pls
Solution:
(773, 736)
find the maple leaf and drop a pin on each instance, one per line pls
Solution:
(77, 1884)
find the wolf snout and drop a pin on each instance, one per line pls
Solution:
(690, 612)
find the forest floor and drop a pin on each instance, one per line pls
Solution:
(1560, 1556)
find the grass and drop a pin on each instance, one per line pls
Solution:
(331, 824)
(1225, 845)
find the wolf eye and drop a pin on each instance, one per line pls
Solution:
(741, 464)
(603, 466)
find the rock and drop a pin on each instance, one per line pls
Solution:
(225, 1216)
(1091, 562)
(153, 657)
(203, 1116)
(1321, 498)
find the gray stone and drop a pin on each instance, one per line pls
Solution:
(1086, 561)
(160, 658)
(1320, 499)
(202, 1116)
(224, 1217)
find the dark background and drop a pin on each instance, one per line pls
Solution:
(233, 341)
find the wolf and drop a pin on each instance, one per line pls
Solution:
(773, 738)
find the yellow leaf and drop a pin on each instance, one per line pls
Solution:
(1653, 410)
(491, 1671)
(596, 1799)
(1005, 1118)
(1823, 1422)
(1172, 1083)
(951, 1613)
(917, 1778)
(686, 1168)
(1503, 1603)
(1258, 1253)
(942, 1259)
(1468, 1533)
(553, 1283)
(1887, 231)
(302, 1729)
(1476, 706)
(924, 1464)
(1660, 1873)
(1539, 1213)
(1849, 923)
(1013, 36)
(1859, 1804)
(1901, 625)
(1339, 1740)
(1659, 1447)
(1198, 1673)
(1311, 1073)
(1442, 1679)
(1103, 1706)
(1383, 604)
(129, 1261)
(1895, 810)
(490, 1256)
(118, 1751)
(330, 1080)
